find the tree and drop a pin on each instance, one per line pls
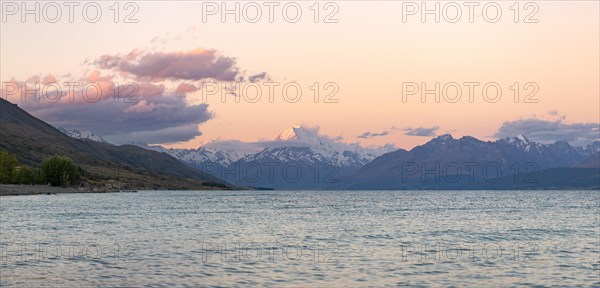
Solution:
(59, 171)
(8, 164)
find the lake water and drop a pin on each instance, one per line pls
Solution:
(302, 238)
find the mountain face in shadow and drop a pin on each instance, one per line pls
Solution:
(468, 163)
(33, 140)
(591, 162)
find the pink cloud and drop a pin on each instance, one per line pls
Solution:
(190, 65)
(147, 117)
(184, 88)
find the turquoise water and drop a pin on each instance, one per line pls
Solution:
(302, 238)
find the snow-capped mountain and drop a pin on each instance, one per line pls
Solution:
(81, 134)
(336, 152)
(558, 154)
(301, 158)
(303, 148)
(522, 143)
(322, 147)
(210, 153)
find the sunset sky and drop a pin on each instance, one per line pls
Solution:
(171, 53)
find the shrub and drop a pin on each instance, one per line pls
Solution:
(8, 165)
(59, 171)
(24, 175)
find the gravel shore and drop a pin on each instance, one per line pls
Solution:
(8, 190)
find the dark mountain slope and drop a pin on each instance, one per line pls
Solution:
(33, 140)
(468, 163)
(591, 162)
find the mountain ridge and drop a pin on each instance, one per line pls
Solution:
(448, 163)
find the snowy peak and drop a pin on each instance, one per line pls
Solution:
(302, 136)
(334, 150)
(522, 138)
(442, 139)
(224, 157)
(523, 143)
(593, 147)
(203, 154)
(293, 133)
(74, 133)
(445, 137)
(519, 140)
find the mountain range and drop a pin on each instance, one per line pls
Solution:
(300, 158)
(469, 163)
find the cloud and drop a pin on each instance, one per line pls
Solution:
(164, 136)
(550, 131)
(140, 112)
(258, 77)
(557, 114)
(157, 119)
(370, 135)
(196, 64)
(184, 88)
(140, 108)
(421, 131)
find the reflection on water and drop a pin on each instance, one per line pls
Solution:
(302, 238)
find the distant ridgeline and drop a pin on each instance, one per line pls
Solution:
(304, 161)
(468, 163)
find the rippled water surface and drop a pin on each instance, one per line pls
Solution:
(302, 238)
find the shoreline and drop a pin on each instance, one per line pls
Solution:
(24, 190)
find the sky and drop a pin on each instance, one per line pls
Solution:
(360, 66)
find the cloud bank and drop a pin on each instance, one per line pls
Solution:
(550, 131)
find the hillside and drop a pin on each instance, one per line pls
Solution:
(33, 140)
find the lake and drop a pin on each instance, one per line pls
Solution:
(302, 238)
